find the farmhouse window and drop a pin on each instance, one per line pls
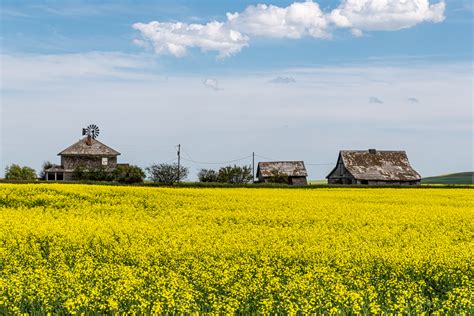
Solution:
(104, 161)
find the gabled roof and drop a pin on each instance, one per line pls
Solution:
(290, 168)
(96, 148)
(378, 165)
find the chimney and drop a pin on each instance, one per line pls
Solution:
(372, 151)
(89, 140)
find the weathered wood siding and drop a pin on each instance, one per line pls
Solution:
(340, 175)
(297, 181)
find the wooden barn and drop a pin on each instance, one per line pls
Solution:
(87, 153)
(295, 171)
(373, 167)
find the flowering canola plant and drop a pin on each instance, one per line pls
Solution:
(81, 249)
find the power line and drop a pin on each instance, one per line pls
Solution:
(190, 159)
(216, 163)
(174, 159)
(307, 164)
(266, 157)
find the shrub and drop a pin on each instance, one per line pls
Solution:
(16, 172)
(128, 174)
(235, 174)
(98, 174)
(167, 173)
(208, 175)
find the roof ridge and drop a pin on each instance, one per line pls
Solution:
(367, 150)
(102, 149)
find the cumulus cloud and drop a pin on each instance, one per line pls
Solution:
(283, 80)
(212, 83)
(299, 19)
(295, 21)
(375, 100)
(384, 15)
(177, 38)
(413, 100)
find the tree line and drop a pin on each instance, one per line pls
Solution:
(163, 173)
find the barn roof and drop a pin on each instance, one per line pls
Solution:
(290, 168)
(96, 148)
(378, 165)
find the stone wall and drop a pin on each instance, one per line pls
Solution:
(88, 162)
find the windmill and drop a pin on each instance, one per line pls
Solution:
(92, 132)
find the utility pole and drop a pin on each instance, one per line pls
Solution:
(253, 167)
(179, 160)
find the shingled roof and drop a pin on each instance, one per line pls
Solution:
(290, 168)
(378, 165)
(96, 148)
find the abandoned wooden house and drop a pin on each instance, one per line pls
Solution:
(373, 167)
(294, 172)
(87, 153)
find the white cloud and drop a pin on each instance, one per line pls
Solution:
(299, 19)
(283, 80)
(19, 72)
(385, 15)
(357, 33)
(177, 38)
(326, 103)
(375, 100)
(212, 83)
(295, 21)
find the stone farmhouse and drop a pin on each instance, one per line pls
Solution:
(87, 153)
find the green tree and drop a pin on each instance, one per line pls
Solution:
(167, 173)
(208, 175)
(128, 174)
(46, 165)
(16, 172)
(235, 174)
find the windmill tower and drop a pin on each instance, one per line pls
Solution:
(92, 131)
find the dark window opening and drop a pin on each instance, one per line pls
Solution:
(50, 176)
(60, 176)
(364, 182)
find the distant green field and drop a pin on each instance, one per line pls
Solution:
(317, 181)
(454, 178)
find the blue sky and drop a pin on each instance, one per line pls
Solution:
(334, 77)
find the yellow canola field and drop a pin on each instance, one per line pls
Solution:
(83, 248)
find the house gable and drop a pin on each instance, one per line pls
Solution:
(94, 148)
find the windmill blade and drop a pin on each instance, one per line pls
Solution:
(93, 130)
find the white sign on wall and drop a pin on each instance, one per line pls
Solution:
(104, 161)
